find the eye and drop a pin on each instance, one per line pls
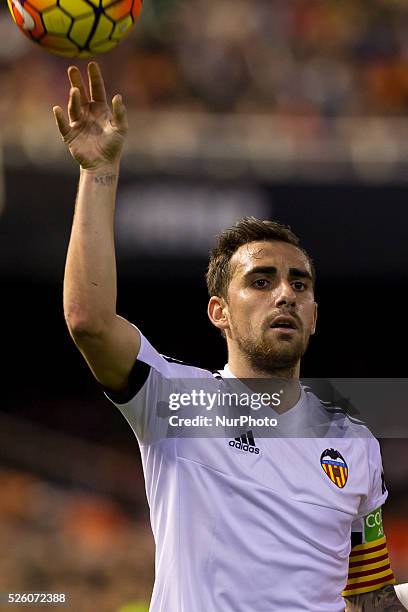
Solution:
(260, 283)
(299, 285)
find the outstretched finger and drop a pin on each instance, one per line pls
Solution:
(75, 79)
(74, 105)
(96, 85)
(61, 120)
(119, 114)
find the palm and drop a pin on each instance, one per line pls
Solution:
(94, 134)
(93, 140)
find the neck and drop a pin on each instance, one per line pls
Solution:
(242, 368)
(284, 381)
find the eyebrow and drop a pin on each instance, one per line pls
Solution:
(271, 270)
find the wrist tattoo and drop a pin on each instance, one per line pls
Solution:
(105, 179)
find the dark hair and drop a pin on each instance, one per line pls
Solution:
(247, 229)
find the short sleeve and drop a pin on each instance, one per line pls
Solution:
(152, 379)
(377, 493)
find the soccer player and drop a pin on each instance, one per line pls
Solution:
(241, 524)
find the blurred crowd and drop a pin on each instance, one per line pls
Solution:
(319, 58)
(69, 541)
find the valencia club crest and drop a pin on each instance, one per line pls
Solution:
(334, 466)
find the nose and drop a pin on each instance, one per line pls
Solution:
(285, 295)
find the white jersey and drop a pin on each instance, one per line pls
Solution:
(240, 531)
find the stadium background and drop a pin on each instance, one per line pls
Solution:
(291, 110)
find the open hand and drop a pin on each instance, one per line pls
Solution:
(94, 133)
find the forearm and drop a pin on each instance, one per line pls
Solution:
(384, 600)
(90, 271)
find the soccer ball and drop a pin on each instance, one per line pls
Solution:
(75, 28)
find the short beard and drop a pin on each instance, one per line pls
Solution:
(267, 359)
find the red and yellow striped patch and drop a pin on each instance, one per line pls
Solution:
(369, 568)
(337, 473)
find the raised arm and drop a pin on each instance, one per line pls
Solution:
(95, 135)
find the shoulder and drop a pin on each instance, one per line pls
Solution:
(336, 412)
(151, 370)
(168, 366)
(182, 369)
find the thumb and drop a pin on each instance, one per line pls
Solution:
(119, 114)
(62, 122)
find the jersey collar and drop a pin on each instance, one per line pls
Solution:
(291, 413)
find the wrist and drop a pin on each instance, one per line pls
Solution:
(106, 176)
(102, 170)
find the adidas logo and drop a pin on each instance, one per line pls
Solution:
(245, 442)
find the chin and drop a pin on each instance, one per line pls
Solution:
(276, 356)
(287, 349)
(269, 354)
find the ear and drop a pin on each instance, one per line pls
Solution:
(217, 312)
(314, 319)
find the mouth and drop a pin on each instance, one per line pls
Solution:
(284, 324)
